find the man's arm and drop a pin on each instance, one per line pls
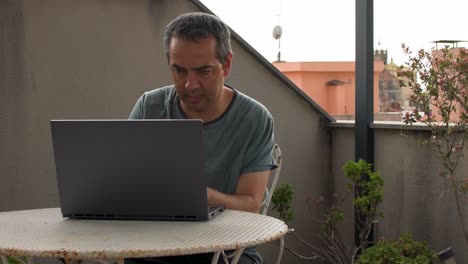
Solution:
(249, 193)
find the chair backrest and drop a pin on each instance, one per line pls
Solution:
(270, 188)
(272, 181)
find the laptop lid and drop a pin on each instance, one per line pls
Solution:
(130, 169)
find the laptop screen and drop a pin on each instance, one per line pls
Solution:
(130, 169)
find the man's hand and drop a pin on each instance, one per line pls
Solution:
(249, 193)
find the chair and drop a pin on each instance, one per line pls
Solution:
(269, 194)
(269, 189)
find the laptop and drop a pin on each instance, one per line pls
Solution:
(131, 169)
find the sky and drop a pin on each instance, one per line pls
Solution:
(324, 30)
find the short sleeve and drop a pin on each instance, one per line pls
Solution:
(137, 112)
(259, 152)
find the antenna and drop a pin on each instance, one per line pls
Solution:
(277, 32)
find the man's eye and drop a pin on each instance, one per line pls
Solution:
(177, 70)
(205, 72)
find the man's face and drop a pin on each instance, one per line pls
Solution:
(197, 74)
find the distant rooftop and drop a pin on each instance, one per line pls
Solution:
(453, 42)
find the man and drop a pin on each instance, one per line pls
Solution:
(237, 130)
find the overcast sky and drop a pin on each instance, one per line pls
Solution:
(324, 30)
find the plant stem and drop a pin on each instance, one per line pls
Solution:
(461, 215)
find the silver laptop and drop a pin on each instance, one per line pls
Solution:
(131, 169)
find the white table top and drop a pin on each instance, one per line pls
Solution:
(45, 233)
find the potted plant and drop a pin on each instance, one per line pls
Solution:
(401, 250)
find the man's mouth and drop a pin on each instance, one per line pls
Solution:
(194, 98)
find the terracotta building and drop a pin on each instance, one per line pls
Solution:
(330, 84)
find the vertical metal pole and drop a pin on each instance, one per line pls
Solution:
(364, 136)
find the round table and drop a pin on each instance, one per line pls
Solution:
(45, 233)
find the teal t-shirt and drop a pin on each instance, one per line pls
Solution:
(239, 141)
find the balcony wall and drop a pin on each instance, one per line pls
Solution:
(415, 200)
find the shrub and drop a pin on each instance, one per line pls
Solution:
(402, 251)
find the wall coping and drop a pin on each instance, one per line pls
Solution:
(380, 125)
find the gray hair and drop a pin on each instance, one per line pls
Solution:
(196, 26)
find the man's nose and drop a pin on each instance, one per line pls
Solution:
(192, 81)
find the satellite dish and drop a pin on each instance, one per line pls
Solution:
(277, 31)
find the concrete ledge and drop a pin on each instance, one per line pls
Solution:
(342, 123)
(380, 125)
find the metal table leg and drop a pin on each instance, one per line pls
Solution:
(235, 256)
(3, 260)
(280, 253)
(215, 258)
(26, 260)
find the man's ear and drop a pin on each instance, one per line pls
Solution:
(227, 65)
